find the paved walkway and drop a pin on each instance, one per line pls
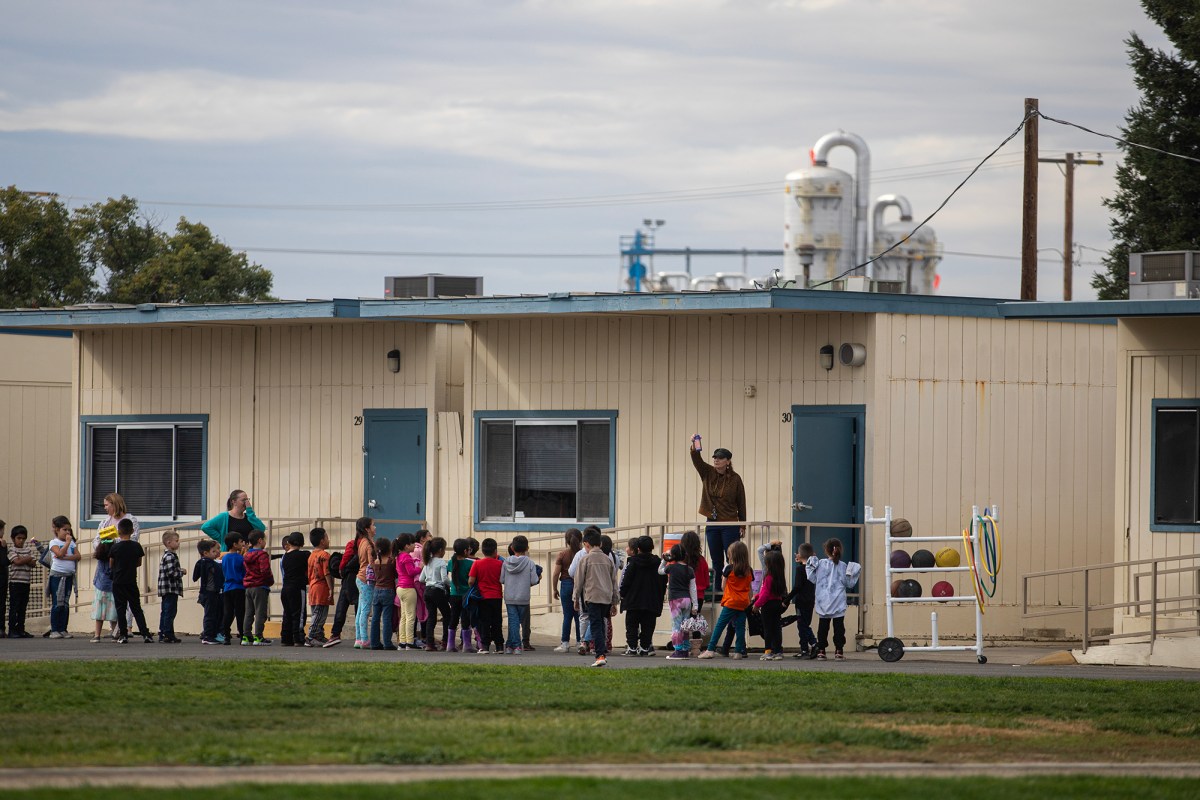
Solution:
(181, 777)
(1002, 661)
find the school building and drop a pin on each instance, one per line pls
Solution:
(492, 416)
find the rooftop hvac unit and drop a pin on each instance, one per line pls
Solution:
(432, 285)
(1164, 276)
(861, 283)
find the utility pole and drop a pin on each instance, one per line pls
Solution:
(1029, 200)
(1069, 163)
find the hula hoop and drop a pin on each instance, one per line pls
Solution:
(969, 550)
(989, 549)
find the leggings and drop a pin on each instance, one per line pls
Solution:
(771, 611)
(681, 609)
(437, 601)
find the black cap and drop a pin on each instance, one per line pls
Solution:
(721, 452)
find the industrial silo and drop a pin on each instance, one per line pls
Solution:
(911, 267)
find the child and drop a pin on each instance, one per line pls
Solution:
(459, 570)
(63, 567)
(437, 595)
(803, 593)
(104, 607)
(407, 569)
(642, 589)
(518, 577)
(383, 600)
(258, 581)
(769, 600)
(320, 586)
(690, 542)
(21, 558)
(597, 591)
(233, 595)
(125, 557)
(420, 539)
(735, 599)
(170, 588)
(294, 569)
(485, 574)
(564, 587)
(208, 572)
(831, 578)
(3, 578)
(681, 598)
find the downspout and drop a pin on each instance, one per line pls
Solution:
(862, 177)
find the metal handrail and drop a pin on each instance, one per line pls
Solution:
(1156, 605)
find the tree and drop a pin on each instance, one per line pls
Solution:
(117, 240)
(193, 266)
(40, 264)
(1158, 195)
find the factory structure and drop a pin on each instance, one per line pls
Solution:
(834, 237)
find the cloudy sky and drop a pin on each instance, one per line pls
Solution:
(543, 131)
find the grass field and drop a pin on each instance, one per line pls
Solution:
(230, 713)
(1085, 788)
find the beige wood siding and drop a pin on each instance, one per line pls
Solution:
(36, 431)
(1160, 359)
(1016, 413)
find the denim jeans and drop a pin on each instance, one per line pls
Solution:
(718, 538)
(362, 612)
(60, 601)
(598, 614)
(169, 605)
(383, 604)
(566, 588)
(518, 615)
(737, 619)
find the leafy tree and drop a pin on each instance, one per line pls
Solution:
(117, 240)
(40, 264)
(1158, 195)
(193, 266)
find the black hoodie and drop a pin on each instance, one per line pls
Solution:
(642, 588)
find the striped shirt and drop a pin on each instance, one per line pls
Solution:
(24, 572)
(170, 575)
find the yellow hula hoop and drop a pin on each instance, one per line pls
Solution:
(999, 548)
(969, 551)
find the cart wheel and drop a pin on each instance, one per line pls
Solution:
(983, 659)
(891, 649)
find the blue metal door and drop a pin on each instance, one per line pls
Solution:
(394, 454)
(827, 469)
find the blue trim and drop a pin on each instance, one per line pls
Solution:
(28, 332)
(1100, 310)
(1155, 405)
(150, 314)
(85, 466)
(525, 525)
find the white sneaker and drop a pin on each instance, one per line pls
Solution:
(55, 635)
(66, 635)
(707, 654)
(563, 648)
(736, 656)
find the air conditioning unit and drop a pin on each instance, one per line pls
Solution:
(432, 285)
(1164, 276)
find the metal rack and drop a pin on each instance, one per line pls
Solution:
(891, 648)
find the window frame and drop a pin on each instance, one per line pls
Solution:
(542, 418)
(1156, 405)
(144, 421)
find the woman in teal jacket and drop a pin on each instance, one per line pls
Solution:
(239, 517)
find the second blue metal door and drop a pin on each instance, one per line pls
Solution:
(394, 452)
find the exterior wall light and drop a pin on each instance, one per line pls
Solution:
(393, 360)
(827, 357)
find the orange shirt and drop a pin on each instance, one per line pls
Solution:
(737, 591)
(318, 586)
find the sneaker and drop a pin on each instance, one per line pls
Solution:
(22, 635)
(309, 643)
(209, 641)
(649, 652)
(707, 654)
(676, 655)
(562, 648)
(508, 651)
(483, 651)
(55, 635)
(147, 638)
(777, 657)
(583, 648)
(802, 654)
(122, 640)
(246, 641)
(767, 656)
(600, 661)
(333, 641)
(838, 655)
(220, 638)
(821, 655)
(736, 656)
(261, 642)
(527, 646)
(96, 640)
(66, 635)
(631, 651)
(227, 642)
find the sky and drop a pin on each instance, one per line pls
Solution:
(406, 138)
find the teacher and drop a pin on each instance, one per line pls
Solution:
(722, 502)
(238, 517)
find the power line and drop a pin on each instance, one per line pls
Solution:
(1119, 139)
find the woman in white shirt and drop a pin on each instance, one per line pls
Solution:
(114, 507)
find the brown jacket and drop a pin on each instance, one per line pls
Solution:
(726, 492)
(596, 580)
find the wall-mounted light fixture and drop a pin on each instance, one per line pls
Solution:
(393, 360)
(827, 357)
(853, 355)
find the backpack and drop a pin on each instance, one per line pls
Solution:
(348, 566)
(335, 564)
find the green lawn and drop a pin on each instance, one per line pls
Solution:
(932, 788)
(265, 712)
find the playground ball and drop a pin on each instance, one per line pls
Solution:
(901, 527)
(943, 589)
(911, 588)
(901, 559)
(947, 557)
(896, 584)
(923, 559)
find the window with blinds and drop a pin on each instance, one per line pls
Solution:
(545, 470)
(1176, 465)
(157, 468)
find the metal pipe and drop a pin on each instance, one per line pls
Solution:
(884, 202)
(862, 178)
